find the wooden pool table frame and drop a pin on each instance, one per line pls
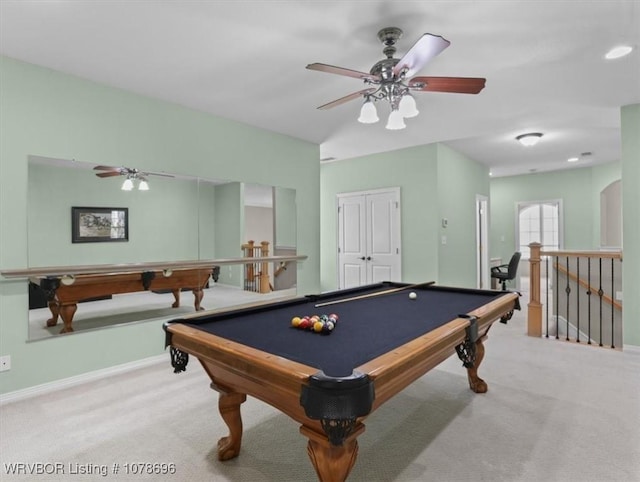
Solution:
(64, 293)
(237, 370)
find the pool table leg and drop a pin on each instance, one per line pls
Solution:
(54, 307)
(176, 295)
(198, 295)
(332, 462)
(229, 405)
(476, 383)
(65, 312)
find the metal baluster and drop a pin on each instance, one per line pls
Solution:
(547, 297)
(578, 300)
(600, 293)
(589, 301)
(568, 291)
(557, 294)
(613, 297)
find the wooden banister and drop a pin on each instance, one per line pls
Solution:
(254, 274)
(534, 318)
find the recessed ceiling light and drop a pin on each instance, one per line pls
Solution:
(530, 139)
(617, 52)
(573, 159)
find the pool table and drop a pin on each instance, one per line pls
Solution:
(383, 340)
(64, 292)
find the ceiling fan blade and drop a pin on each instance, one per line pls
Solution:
(156, 174)
(107, 168)
(347, 98)
(426, 48)
(108, 174)
(459, 85)
(331, 69)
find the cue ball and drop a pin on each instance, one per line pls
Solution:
(412, 296)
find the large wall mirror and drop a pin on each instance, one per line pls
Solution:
(79, 218)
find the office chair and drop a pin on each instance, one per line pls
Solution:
(506, 272)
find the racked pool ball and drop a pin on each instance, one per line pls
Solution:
(295, 321)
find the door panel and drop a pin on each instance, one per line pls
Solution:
(353, 275)
(369, 238)
(353, 237)
(351, 244)
(380, 273)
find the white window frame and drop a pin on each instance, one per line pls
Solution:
(521, 205)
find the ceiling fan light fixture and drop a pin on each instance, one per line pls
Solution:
(127, 185)
(395, 121)
(368, 113)
(143, 185)
(530, 139)
(408, 107)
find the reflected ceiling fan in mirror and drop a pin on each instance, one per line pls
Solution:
(392, 79)
(131, 174)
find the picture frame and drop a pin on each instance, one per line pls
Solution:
(99, 224)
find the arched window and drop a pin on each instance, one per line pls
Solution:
(539, 222)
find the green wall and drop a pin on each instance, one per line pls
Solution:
(631, 223)
(49, 114)
(229, 202)
(459, 181)
(285, 223)
(435, 182)
(164, 222)
(579, 189)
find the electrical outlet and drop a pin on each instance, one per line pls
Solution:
(5, 363)
(619, 295)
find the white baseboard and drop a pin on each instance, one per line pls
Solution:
(80, 379)
(635, 349)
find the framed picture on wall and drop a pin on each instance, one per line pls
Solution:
(98, 225)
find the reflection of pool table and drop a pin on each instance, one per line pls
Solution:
(330, 383)
(64, 293)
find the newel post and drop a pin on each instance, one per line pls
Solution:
(264, 268)
(534, 318)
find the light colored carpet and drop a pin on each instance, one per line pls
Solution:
(554, 412)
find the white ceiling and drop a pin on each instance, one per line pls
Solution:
(245, 60)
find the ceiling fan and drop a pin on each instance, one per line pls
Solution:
(392, 79)
(131, 174)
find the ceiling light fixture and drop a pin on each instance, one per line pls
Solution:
(573, 159)
(618, 51)
(127, 185)
(402, 103)
(530, 139)
(368, 114)
(392, 85)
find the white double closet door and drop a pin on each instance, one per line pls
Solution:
(369, 237)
